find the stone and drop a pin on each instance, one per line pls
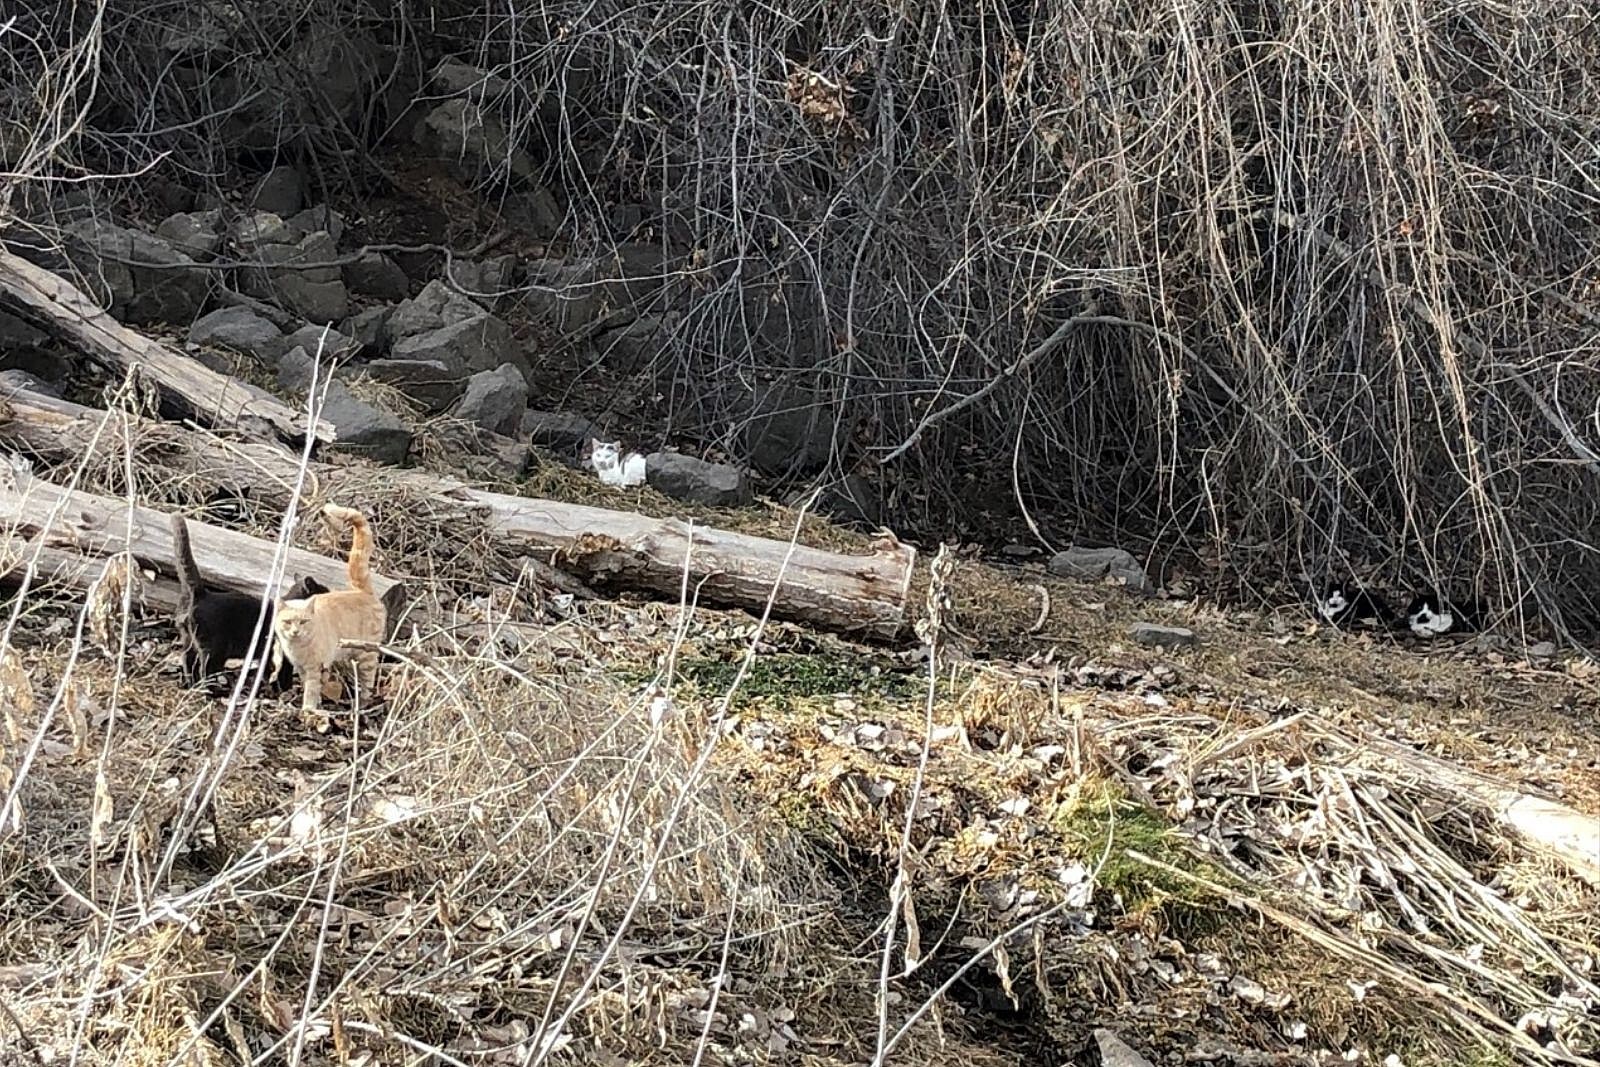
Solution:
(109, 257)
(279, 191)
(534, 210)
(370, 330)
(262, 228)
(560, 432)
(316, 293)
(363, 429)
(17, 333)
(1091, 564)
(194, 233)
(696, 480)
(15, 379)
(332, 342)
(240, 330)
(376, 275)
(437, 305)
(495, 399)
(459, 79)
(312, 219)
(633, 346)
(294, 371)
(569, 295)
(479, 343)
(429, 382)
(790, 430)
(1155, 635)
(487, 282)
(1542, 650)
(471, 142)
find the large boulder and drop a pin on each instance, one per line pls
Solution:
(370, 328)
(279, 191)
(437, 305)
(488, 282)
(314, 292)
(194, 233)
(696, 480)
(376, 275)
(790, 430)
(429, 382)
(1097, 563)
(561, 432)
(472, 141)
(240, 330)
(141, 278)
(364, 429)
(495, 399)
(482, 342)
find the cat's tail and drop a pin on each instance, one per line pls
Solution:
(359, 565)
(189, 581)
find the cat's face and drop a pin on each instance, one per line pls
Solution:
(604, 455)
(293, 619)
(1427, 617)
(1334, 602)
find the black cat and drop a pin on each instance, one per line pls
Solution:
(1430, 615)
(1344, 604)
(216, 625)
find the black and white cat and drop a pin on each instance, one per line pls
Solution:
(1345, 605)
(1431, 615)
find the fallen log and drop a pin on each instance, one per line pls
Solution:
(56, 306)
(856, 594)
(70, 523)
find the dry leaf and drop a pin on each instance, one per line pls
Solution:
(100, 820)
(77, 724)
(908, 911)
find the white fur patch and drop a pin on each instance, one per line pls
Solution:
(1333, 605)
(1425, 622)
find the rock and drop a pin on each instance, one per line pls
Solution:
(16, 333)
(335, 345)
(1542, 650)
(16, 379)
(495, 399)
(1114, 1052)
(428, 382)
(1157, 636)
(1094, 563)
(370, 330)
(458, 79)
(479, 343)
(437, 305)
(487, 282)
(472, 142)
(262, 228)
(790, 430)
(535, 211)
(294, 371)
(560, 432)
(195, 233)
(633, 346)
(697, 481)
(312, 219)
(240, 330)
(316, 293)
(108, 256)
(378, 276)
(571, 296)
(363, 429)
(279, 191)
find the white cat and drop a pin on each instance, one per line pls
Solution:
(613, 467)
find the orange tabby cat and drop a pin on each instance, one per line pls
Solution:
(310, 629)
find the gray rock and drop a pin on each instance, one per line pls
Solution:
(458, 79)
(16, 379)
(695, 480)
(479, 343)
(1542, 650)
(535, 211)
(378, 276)
(1094, 563)
(363, 429)
(334, 345)
(1114, 1052)
(370, 329)
(1157, 636)
(495, 399)
(472, 142)
(16, 333)
(429, 382)
(633, 346)
(279, 191)
(572, 295)
(110, 260)
(240, 330)
(560, 432)
(294, 371)
(262, 228)
(195, 233)
(312, 219)
(316, 293)
(437, 305)
(790, 430)
(486, 282)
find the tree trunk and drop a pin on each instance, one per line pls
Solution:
(857, 594)
(54, 305)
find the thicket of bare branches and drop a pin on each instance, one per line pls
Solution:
(1292, 286)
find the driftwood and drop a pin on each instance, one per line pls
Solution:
(56, 306)
(864, 595)
(78, 530)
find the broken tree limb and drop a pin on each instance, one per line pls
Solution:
(856, 594)
(56, 306)
(70, 522)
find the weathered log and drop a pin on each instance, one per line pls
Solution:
(70, 522)
(858, 594)
(56, 306)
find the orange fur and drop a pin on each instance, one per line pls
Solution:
(310, 630)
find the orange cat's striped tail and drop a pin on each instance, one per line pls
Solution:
(359, 566)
